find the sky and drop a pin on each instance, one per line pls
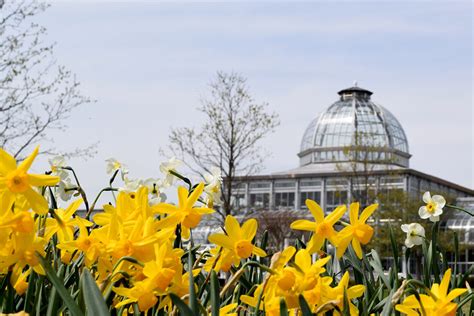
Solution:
(148, 65)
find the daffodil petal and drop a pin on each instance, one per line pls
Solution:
(443, 287)
(182, 196)
(221, 240)
(354, 212)
(39, 180)
(315, 210)
(26, 164)
(357, 248)
(259, 251)
(369, 210)
(249, 229)
(7, 162)
(232, 228)
(195, 195)
(303, 224)
(6, 201)
(37, 201)
(315, 244)
(335, 215)
(455, 293)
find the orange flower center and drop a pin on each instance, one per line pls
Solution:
(24, 224)
(363, 233)
(431, 207)
(17, 181)
(287, 280)
(163, 278)
(244, 249)
(122, 249)
(324, 229)
(83, 243)
(192, 220)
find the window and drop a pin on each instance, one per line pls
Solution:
(285, 199)
(239, 201)
(284, 184)
(334, 199)
(315, 196)
(259, 200)
(259, 185)
(310, 183)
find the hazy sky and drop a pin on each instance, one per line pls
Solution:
(148, 64)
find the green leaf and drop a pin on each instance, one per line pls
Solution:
(94, 301)
(387, 309)
(394, 244)
(53, 302)
(283, 307)
(62, 291)
(182, 307)
(305, 310)
(377, 266)
(214, 294)
(192, 291)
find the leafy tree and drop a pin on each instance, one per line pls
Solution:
(36, 94)
(230, 135)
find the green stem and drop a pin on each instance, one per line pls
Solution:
(459, 209)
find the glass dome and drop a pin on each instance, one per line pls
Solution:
(354, 122)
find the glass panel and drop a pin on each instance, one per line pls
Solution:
(315, 196)
(259, 200)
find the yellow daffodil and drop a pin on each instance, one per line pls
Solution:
(433, 208)
(238, 239)
(64, 224)
(221, 259)
(185, 213)
(337, 294)
(439, 302)
(85, 243)
(18, 280)
(15, 182)
(322, 228)
(309, 272)
(357, 232)
(157, 272)
(141, 293)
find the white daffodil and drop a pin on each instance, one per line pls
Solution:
(65, 190)
(57, 163)
(213, 186)
(433, 208)
(168, 166)
(113, 165)
(415, 234)
(155, 187)
(131, 185)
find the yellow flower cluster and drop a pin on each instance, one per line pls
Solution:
(357, 232)
(136, 249)
(303, 277)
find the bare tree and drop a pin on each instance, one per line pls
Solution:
(36, 94)
(230, 135)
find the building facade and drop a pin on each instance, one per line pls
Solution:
(352, 151)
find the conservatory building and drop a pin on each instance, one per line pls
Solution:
(351, 151)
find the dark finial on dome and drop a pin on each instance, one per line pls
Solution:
(355, 92)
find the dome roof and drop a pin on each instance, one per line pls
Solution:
(353, 122)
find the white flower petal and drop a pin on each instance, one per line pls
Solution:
(405, 228)
(439, 200)
(434, 219)
(423, 212)
(409, 243)
(419, 230)
(416, 240)
(427, 197)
